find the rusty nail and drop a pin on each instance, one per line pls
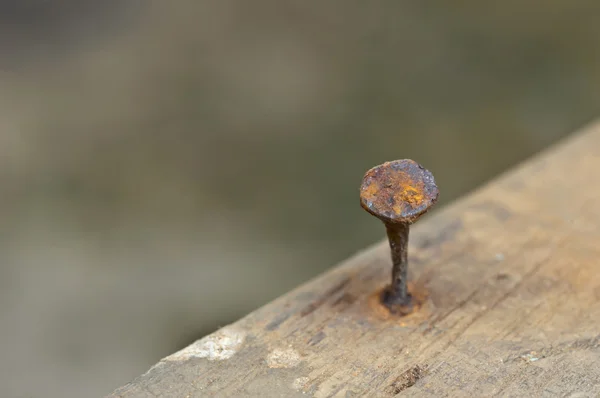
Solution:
(398, 193)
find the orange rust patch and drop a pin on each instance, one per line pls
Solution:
(371, 191)
(412, 195)
(419, 309)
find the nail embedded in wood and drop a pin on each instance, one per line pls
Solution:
(398, 193)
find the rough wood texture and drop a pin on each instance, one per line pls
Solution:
(512, 279)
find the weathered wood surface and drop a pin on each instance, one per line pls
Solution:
(512, 275)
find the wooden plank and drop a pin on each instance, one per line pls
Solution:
(512, 279)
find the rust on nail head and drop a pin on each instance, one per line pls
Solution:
(398, 192)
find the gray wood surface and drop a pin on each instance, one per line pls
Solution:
(509, 277)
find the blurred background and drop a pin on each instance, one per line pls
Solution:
(167, 167)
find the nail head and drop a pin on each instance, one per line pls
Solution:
(399, 191)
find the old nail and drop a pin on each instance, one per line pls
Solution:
(398, 193)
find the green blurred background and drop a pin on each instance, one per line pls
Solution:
(166, 167)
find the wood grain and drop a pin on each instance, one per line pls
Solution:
(510, 279)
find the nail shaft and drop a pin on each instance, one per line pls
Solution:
(398, 239)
